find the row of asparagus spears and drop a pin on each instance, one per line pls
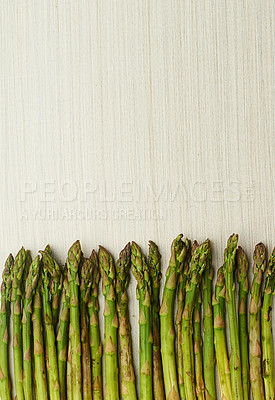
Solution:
(57, 349)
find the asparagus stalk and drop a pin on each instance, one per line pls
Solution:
(235, 357)
(26, 341)
(30, 289)
(242, 265)
(38, 345)
(62, 336)
(85, 289)
(69, 373)
(194, 247)
(28, 261)
(52, 366)
(180, 307)
(191, 334)
(154, 267)
(267, 341)
(208, 328)
(141, 273)
(16, 297)
(95, 341)
(220, 336)
(196, 268)
(73, 263)
(108, 274)
(5, 388)
(55, 272)
(255, 322)
(128, 387)
(178, 253)
(200, 389)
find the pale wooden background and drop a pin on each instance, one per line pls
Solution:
(162, 110)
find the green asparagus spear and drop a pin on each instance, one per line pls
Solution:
(255, 351)
(178, 253)
(26, 333)
(55, 272)
(5, 388)
(73, 264)
(95, 341)
(154, 267)
(85, 290)
(38, 344)
(141, 273)
(16, 297)
(30, 288)
(69, 373)
(196, 268)
(62, 336)
(267, 341)
(195, 245)
(235, 357)
(108, 274)
(208, 328)
(200, 389)
(52, 366)
(123, 264)
(242, 265)
(193, 249)
(26, 271)
(180, 307)
(220, 336)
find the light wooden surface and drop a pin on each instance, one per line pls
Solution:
(136, 120)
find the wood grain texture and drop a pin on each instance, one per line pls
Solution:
(136, 120)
